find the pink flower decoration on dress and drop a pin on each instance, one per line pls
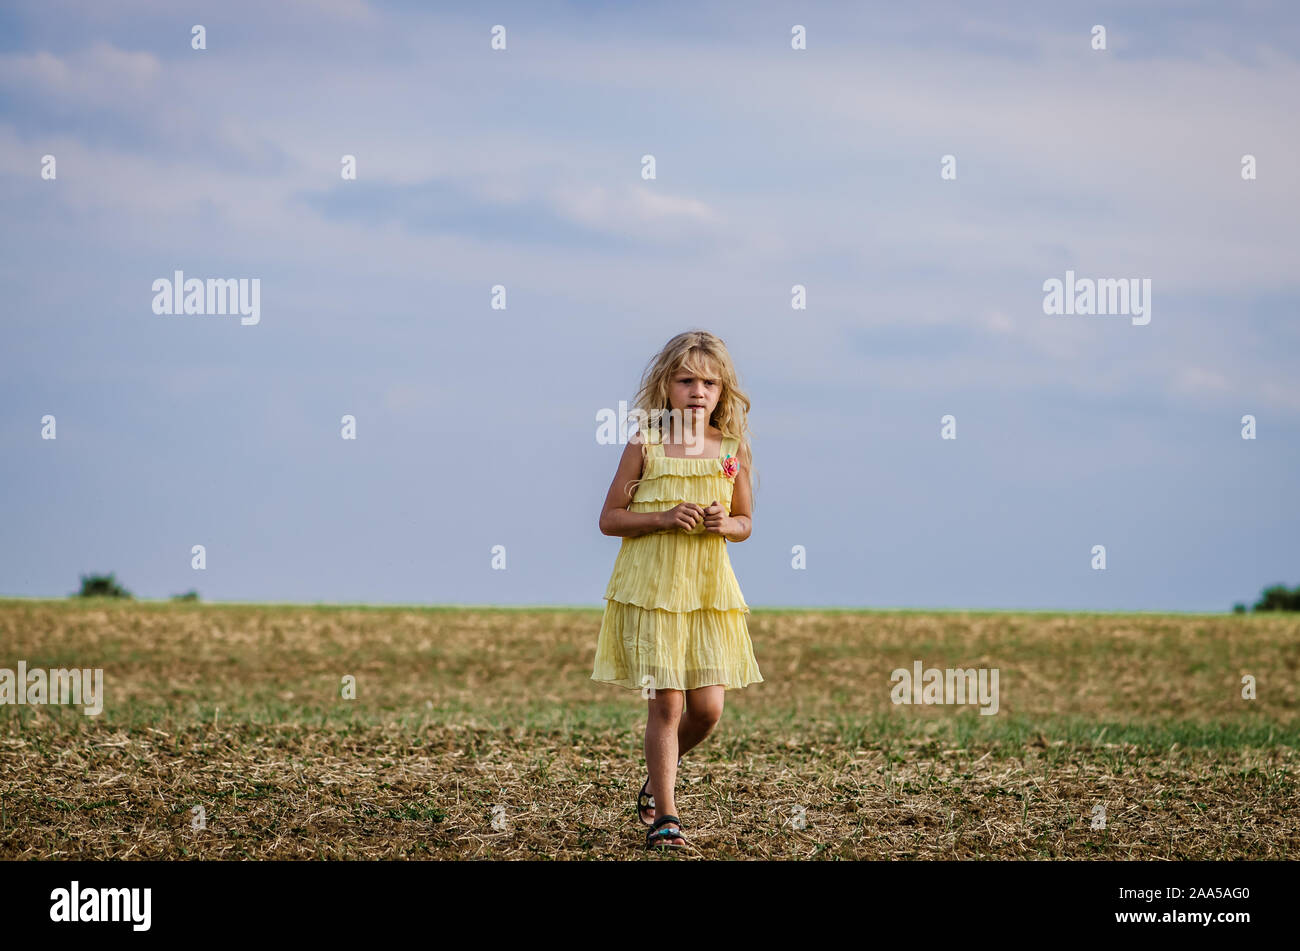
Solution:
(730, 466)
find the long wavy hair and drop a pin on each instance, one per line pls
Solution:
(704, 355)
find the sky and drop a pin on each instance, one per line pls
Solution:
(774, 167)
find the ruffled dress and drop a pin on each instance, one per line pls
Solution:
(673, 607)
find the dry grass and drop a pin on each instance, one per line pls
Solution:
(463, 714)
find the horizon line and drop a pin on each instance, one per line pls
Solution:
(452, 606)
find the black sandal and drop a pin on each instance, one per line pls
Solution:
(658, 838)
(646, 801)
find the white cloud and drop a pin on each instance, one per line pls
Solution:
(1191, 379)
(631, 208)
(351, 10)
(100, 75)
(998, 322)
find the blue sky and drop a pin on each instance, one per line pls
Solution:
(477, 427)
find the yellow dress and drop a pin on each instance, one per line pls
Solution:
(673, 607)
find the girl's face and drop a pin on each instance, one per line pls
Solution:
(694, 395)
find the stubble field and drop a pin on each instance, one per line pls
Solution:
(476, 734)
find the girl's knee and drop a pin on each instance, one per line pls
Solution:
(708, 714)
(707, 709)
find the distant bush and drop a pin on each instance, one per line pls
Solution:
(1278, 598)
(101, 586)
(187, 596)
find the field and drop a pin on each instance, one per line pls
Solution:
(476, 734)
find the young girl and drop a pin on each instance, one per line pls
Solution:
(674, 617)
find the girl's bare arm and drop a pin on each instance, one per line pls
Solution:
(615, 519)
(742, 501)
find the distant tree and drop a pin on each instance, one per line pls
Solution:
(190, 595)
(1278, 598)
(101, 586)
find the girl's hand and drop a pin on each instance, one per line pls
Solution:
(717, 521)
(683, 517)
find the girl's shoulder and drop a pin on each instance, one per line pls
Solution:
(738, 449)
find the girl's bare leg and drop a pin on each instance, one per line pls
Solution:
(662, 723)
(688, 727)
(703, 710)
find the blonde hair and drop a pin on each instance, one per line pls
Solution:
(692, 350)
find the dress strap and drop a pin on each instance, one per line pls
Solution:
(729, 444)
